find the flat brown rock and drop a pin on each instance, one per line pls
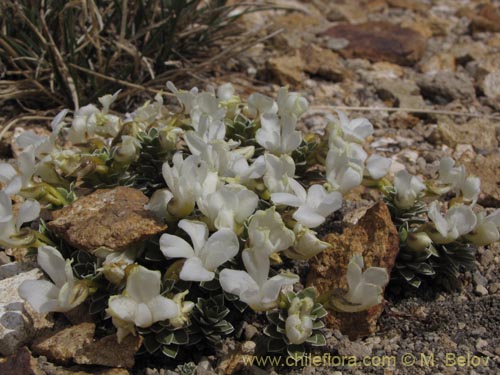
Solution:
(108, 352)
(380, 41)
(60, 347)
(114, 218)
(374, 237)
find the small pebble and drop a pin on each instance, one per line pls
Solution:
(481, 290)
(480, 344)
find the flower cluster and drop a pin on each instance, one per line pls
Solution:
(222, 174)
(434, 243)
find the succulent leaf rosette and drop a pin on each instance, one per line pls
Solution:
(229, 180)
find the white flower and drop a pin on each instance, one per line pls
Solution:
(115, 263)
(229, 206)
(186, 179)
(279, 172)
(378, 166)
(17, 179)
(277, 134)
(245, 172)
(268, 233)
(65, 294)
(216, 153)
(11, 234)
(128, 151)
(39, 143)
(207, 116)
(291, 103)
(89, 122)
(10, 178)
(407, 187)
(454, 178)
(259, 104)
(306, 244)
(253, 287)
(356, 130)
(486, 230)
(365, 288)
(345, 166)
(158, 203)
(186, 98)
(471, 188)
(458, 221)
(225, 92)
(147, 114)
(205, 255)
(299, 324)
(141, 304)
(313, 206)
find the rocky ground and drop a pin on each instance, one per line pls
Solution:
(427, 74)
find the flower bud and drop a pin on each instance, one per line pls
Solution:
(128, 150)
(418, 241)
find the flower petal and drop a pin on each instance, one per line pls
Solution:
(52, 262)
(439, 221)
(159, 202)
(193, 270)
(40, 294)
(29, 211)
(163, 308)
(143, 316)
(239, 283)
(271, 288)
(122, 307)
(354, 274)
(175, 247)
(286, 199)
(378, 166)
(308, 217)
(198, 232)
(142, 284)
(376, 275)
(257, 264)
(222, 246)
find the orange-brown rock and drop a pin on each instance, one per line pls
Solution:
(380, 41)
(114, 218)
(374, 237)
(108, 352)
(322, 62)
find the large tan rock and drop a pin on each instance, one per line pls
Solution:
(380, 41)
(114, 218)
(62, 345)
(374, 237)
(321, 62)
(287, 69)
(480, 133)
